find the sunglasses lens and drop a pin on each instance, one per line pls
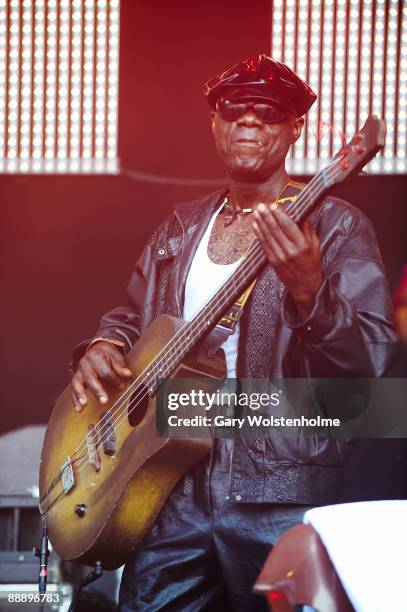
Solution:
(231, 111)
(269, 113)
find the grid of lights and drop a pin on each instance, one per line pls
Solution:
(59, 86)
(353, 53)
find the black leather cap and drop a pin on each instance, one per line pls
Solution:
(262, 77)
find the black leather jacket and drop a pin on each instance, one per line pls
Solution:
(348, 333)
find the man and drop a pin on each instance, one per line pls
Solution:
(320, 308)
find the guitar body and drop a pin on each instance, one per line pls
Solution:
(110, 507)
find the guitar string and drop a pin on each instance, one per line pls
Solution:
(257, 257)
(309, 192)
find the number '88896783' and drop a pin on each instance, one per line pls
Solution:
(27, 597)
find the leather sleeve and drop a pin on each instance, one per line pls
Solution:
(349, 331)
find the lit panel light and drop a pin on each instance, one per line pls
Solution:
(276, 35)
(39, 86)
(88, 81)
(378, 62)
(26, 85)
(3, 84)
(63, 85)
(390, 76)
(339, 84)
(365, 73)
(302, 51)
(313, 79)
(366, 62)
(100, 87)
(13, 84)
(51, 85)
(290, 35)
(349, 119)
(59, 86)
(112, 84)
(75, 83)
(324, 101)
(401, 143)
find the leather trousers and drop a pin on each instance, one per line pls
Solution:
(205, 551)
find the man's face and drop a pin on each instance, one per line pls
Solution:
(251, 148)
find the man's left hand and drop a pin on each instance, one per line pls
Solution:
(294, 254)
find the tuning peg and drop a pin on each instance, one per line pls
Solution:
(360, 149)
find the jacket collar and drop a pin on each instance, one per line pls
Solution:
(190, 213)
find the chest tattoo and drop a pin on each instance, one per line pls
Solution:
(227, 244)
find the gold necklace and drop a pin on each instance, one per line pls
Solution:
(231, 213)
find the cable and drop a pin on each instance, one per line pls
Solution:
(94, 575)
(146, 177)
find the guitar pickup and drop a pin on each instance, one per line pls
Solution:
(67, 477)
(107, 433)
(92, 444)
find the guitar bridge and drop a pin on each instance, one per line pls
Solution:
(67, 477)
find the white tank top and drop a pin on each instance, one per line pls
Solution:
(203, 281)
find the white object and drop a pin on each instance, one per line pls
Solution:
(367, 544)
(203, 281)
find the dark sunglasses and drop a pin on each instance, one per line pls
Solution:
(231, 110)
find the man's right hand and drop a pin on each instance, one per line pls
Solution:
(102, 362)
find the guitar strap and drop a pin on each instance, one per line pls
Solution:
(227, 325)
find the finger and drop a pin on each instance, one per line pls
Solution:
(307, 230)
(92, 382)
(120, 366)
(78, 391)
(316, 245)
(311, 236)
(268, 224)
(287, 226)
(100, 363)
(75, 401)
(270, 246)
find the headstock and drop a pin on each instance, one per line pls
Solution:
(359, 151)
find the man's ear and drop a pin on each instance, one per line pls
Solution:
(212, 116)
(298, 124)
